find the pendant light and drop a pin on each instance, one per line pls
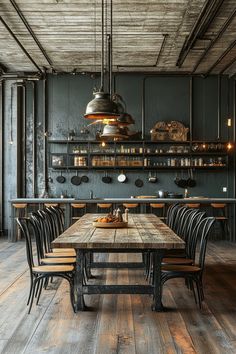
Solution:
(102, 106)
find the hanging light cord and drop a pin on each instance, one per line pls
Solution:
(102, 51)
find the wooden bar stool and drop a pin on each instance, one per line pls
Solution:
(193, 205)
(48, 205)
(159, 208)
(19, 212)
(133, 207)
(102, 208)
(219, 211)
(78, 209)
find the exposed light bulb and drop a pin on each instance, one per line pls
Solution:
(103, 144)
(11, 142)
(203, 145)
(229, 146)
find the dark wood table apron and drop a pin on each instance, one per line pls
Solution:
(145, 233)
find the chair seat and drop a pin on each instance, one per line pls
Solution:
(60, 254)
(78, 206)
(60, 250)
(180, 268)
(53, 269)
(178, 261)
(130, 206)
(58, 260)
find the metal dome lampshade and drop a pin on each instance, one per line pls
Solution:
(101, 107)
(113, 132)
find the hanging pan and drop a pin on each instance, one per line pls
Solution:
(122, 177)
(61, 179)
(138, 183)
(106, 178)
(76, 180)
(84, 179)
(191, 180)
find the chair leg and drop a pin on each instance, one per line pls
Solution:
(33, 293)
(198, 293)
(31, 287)
(40, 291)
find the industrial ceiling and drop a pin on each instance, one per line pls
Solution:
(171, 36)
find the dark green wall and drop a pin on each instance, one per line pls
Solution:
(166, 98)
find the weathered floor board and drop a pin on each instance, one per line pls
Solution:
(121, 324)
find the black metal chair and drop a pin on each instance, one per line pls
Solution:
(40, 273)
(192, 273)
(43, 235)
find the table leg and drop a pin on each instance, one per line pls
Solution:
(79, 275)
(157, 292)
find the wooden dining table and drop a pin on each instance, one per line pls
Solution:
(145, 234)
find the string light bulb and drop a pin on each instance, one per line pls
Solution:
(229, 146)
(103, 144)
(229, 122)
(204, 145)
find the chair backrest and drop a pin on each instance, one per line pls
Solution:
(24, 225)
(178, 218)
(203, 242)
(61, 218)
(170, 212)
(42, 232)
(200, 234)
(183, 222)
(191, 231)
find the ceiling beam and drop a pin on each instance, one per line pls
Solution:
(20, 44)
(223, 55)
(213, 41)
(31, 32)
(204, 20)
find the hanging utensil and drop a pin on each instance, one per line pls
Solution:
(61, 178)
(122, 177)
(76, 180)
(106, 178)
(138, 183)
(191, 180)
(151, 178)
(84, 179)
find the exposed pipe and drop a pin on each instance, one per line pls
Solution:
(111, 47)
(45, 126)
(213, 41)
(31, 32)
(102, 49)
(219, 108)
(191, 109)
(2, 91)
(34, 141)
(206, 16)
(20, 45)
(232, 45)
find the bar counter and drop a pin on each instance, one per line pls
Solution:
(117, 201)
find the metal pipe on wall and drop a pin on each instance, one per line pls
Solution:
(34, 141)
(45, 128)
(2, 91)
(219, 108)
(191, 109)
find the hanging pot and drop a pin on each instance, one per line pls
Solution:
(191, 180)
(138, 183)
(61, 179)
(84, 179)
(151, 178)
(76, 180)
(182, 183)
(106, 178)
(122, 177)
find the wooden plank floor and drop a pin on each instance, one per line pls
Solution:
(119, 323)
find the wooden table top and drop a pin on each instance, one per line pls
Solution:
(144, 231)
